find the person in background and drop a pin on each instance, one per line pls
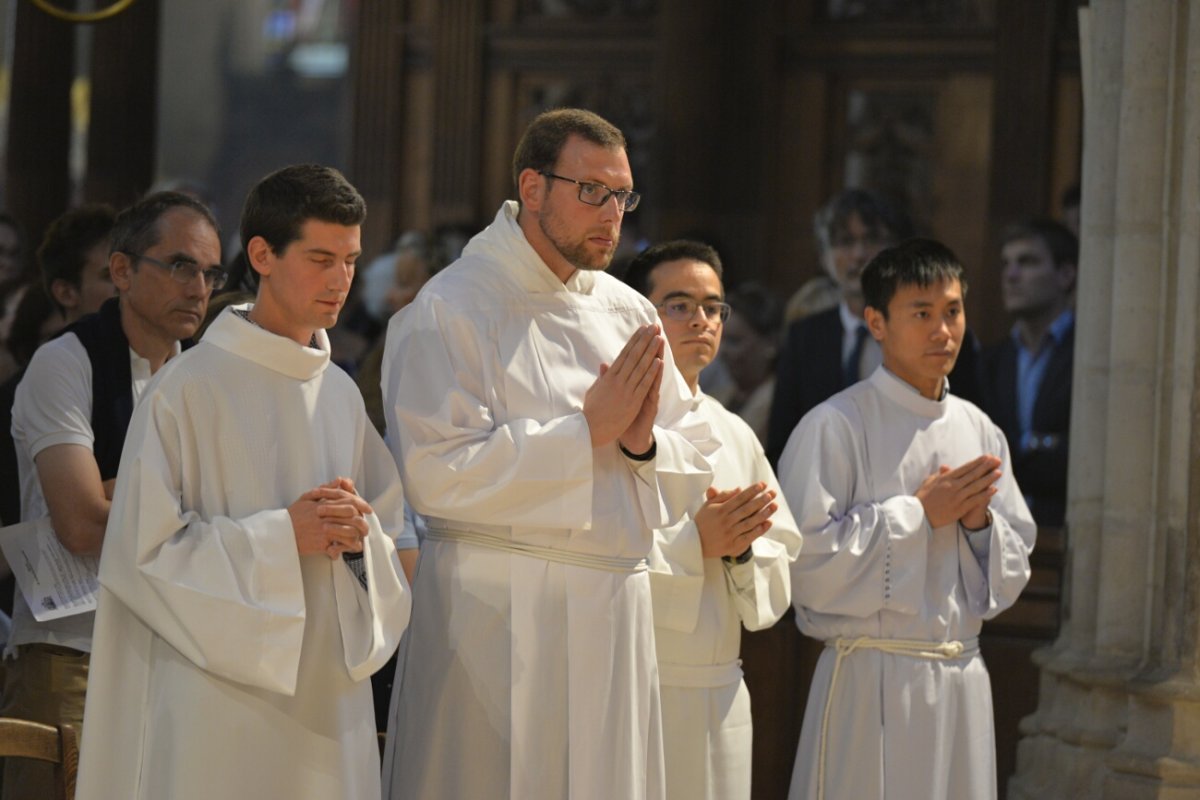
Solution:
(69, 419)
(17, 274)
(750, 349)
(1027, 375)
(830, 350)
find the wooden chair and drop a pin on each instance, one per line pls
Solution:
(60, 746)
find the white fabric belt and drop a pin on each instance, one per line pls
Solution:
(932, 651)
(700, 676)
(439, 531)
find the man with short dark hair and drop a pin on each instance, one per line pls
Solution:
(828, 351)
(73, 258)
(70, 417)
(914, 533)
(249, 583)
(722, 567)
(1027, 375)
(543, 432)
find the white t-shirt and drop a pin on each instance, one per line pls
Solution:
(53, 406)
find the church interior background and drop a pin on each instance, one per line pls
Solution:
(742, 118)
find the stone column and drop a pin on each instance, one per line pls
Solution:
(1119, 714)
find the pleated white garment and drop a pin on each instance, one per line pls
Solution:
(700, 607)
(225, 665)
(900, 727)
(527, 677)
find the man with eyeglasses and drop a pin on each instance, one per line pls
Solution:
(722, 567)
(70, 417)
(543, 432)
(831, 350)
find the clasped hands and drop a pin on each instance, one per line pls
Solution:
(960, 495)
(623, 401)
(730, 520)
(330, 519)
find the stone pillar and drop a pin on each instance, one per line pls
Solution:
(1119, 714)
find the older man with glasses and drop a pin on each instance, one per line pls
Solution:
(831, 350)
(543, 431)
(70, 417)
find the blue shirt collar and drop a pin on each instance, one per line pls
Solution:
(1057, 330)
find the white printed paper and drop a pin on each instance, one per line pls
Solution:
(54, 582)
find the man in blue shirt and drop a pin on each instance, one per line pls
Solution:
(1027, 376)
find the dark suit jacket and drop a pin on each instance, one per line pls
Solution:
(809, 372)
(1042, 473)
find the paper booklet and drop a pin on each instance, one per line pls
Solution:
(54, 582)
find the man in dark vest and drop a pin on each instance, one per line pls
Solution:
(73, 260)
(70, 416)
(1027, 375)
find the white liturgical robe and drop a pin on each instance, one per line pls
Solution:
(529, 667)
(900, 725)
(225, 664)
(700, 607)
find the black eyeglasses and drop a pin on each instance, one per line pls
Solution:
(683, 309)
(185, 272)
(597, 194)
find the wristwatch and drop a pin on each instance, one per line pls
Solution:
(646, 456)
(741, 559)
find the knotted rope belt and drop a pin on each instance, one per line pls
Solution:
(932, 651)
(441, 532)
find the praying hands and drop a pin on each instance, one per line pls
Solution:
(960, 494)
(330, 519)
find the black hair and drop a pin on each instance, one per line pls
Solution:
(759, 307)
(135, 229)
(1070, 197)
(67, 242)
(638, 273)
(915, 262)
(1062, 244)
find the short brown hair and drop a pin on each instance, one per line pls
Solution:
(67, 242)
(279, 204)
(543, 140)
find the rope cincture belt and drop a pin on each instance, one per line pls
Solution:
(932, 651)
(442, 533)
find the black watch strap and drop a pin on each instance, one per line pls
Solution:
(741, 559)
(646, 456)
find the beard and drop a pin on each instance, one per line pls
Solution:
(578, 254)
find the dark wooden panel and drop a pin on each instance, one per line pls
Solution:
(1021, 138)
(458, 110)
(778, 664)
(379, 104)
(122, 152)
(1008, 641)
(39, 123)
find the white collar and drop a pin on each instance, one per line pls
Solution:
(233, 333)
